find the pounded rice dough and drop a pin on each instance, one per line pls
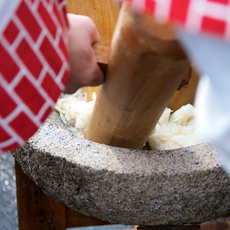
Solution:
(172, 131)
(75, 111)
(175, 130)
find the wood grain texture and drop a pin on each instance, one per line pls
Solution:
(181, 227)
(216, 225)
(36, 210)
(104, 13)
(187, 95)
(102, 53)
(75, 219)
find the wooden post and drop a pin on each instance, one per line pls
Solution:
(187, 95)
(145, 68)
(104, 14)
(36, 210)
(176, 227)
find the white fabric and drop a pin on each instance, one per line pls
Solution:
(7, 8)
(212, 58)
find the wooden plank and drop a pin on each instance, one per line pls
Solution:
(75, 219)
(213, 225)
(102, 53)
(36, 210)
(178, 227)
(104, 14)
(217, 225)
(187, 95)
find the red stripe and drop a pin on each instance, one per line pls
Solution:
(179, 10)
(46, 114)
(63, 48)
(29, 58)
(47, 19)
(65, 77)
(28, 20)
(51, 55)
(11, 32)
(8, 67)
(211, 25)
(13, 146)
(53, 91)
(30, 95)
(57, 14)
(4, 136)
(150, 6)
(7, 104)
(23, 126)
(226, 2)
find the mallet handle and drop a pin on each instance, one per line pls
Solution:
(146, 66)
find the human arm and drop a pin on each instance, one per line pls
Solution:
(84, 70)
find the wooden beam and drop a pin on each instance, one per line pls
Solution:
(102, 53)
(104, 13)
(181, 227)
(75, 219)
(187, 95)
(36, 210)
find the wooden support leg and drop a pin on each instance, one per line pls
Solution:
(36, 210)
(182, 227)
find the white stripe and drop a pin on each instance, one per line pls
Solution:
(43, 109)
(36, 47)
(196, 11)
(11, 132)
(162, 10)
(58, 79)
(62, 4)
(227, 37)
(217, 11)
(7, 7)
(7, 143)
(138, 5)
(19, 101)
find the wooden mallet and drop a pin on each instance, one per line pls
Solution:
(146, 66)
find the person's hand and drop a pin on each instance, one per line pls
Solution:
(84, 70)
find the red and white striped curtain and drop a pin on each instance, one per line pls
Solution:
(210, 17)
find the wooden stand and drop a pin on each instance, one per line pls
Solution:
(37, 211)
(183, 227)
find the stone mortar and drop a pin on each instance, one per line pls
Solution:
(125, 186)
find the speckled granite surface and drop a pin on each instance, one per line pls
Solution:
(126, 186)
